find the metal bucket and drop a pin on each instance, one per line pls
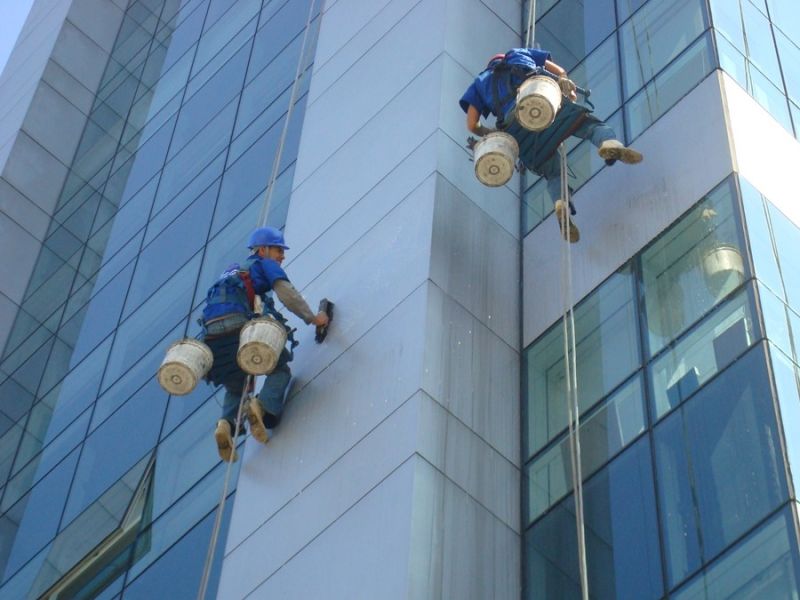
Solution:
(723, 269)
(187, 361)
(495, 156)
(261, 342)
(538, 101)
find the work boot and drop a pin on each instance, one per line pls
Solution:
(224, 438)
(562, 214)
(613, 150)
(255, 415)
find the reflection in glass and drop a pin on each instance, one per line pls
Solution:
(607, 352)
(704, 352)
(573, 28)
(656, 35)
(719, 465)
(762, 566)
(692, 266)
(603, 433)
(622, 549)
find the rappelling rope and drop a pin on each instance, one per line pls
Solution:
(249, 380)
(571, 374)
(531, 23)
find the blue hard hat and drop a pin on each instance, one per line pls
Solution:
(267, 236)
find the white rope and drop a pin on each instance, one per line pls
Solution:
(571, 375)
(531, 23)
(262, 218)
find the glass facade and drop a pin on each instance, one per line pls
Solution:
(641, 57)
(109, 485)
(689, 445)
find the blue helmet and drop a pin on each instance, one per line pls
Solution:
(267, 236)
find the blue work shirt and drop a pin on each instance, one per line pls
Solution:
(479, 93)
(264, 272)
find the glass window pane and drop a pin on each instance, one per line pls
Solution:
(599, 72)
(727, 17)
(786, 376)
(719, 465)
(603, 433)
(622, 551)
(764, 565)
(760, 44)
(787, 240)
(573, 28)
(655, 36)
(607, 353)
(692, 266)
(785, 15)
(704, 352)
(770, 97)
(670, 86)
(759, 237)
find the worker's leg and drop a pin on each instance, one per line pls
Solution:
(234, 386)
(551, 171)
(272, 394)
(609, 147)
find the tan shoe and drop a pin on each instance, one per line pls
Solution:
(255, 416)
(225, 446)
(563, 217)
(612, 150)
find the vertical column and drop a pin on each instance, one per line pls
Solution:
(395, 471)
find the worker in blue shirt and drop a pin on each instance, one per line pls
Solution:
(229, 306)
(494, 92)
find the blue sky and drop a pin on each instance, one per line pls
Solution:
(12, 16)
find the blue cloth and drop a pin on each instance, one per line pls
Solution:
(271, 396)
(480, 93)
(264, 272)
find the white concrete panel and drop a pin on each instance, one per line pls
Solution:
(31, 217)
(69, 87)
(324, 500)
(99, 19)
(458, 548)
(370, 279)
(363, 215)
(357, 167)
(365, 554)
(510, 12)
(55, 123)
(80, 56)
(35, 172)
(476, 261)
(766, 154)
(19, 251)
(686, 153)
(475, 33)
(469, 462)
(330, 415)
(348, 29)
(388, 69)
(473, 373)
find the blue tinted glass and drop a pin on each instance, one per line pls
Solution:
(785, 15)
(787, 238)
(763, 565)
(677, 80)
(719, 465)
(770, 97)
(759, 237)
(113, 448)
(599, 72)
(573, 28)
(33, 521)
(622, 552)
(786, 383)
(760, 44)
(276, 33)
(657, 34)
(181, 567)
(790, 61)
(727, 17)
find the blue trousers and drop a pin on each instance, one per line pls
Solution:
(593, 130)
(222, 336)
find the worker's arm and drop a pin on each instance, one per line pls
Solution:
(291, 299)
(564, 82)
(474, 122)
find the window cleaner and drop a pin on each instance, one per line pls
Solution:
(536, 108)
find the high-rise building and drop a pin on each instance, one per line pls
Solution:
(424, 452)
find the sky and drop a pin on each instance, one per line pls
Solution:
(12, 16)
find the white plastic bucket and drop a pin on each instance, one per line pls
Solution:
(538, 101)
(186, 362)
(495, 156)
(261, 342)
(723, 269)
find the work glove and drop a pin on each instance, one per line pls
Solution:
(568, 87)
